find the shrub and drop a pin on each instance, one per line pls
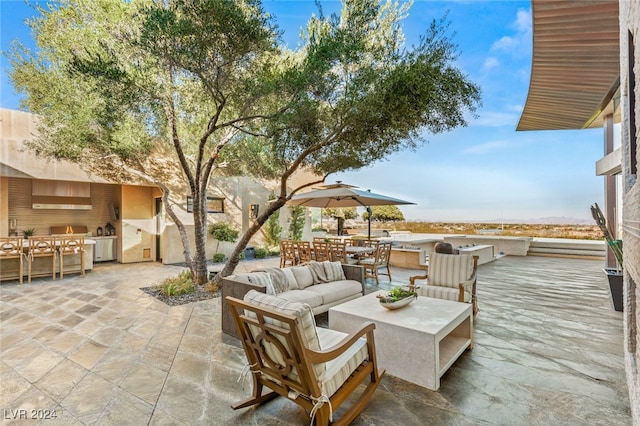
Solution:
(177, 286)
(223, 231)
(261, 253)
(219, 257)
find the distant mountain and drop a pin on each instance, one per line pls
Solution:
(552, 220)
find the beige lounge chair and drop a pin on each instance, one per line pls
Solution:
(316, 368)
(451, 277)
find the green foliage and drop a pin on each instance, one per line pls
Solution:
(398, 293)
(273, 230)
(219, 257)
(261, 252)
(177, 286)
(296, 223)
(614, 245)
(345, 212)
(176, 80)
(28, 232)
(223, 231)
(384, 214)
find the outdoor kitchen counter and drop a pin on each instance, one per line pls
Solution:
(9, 270)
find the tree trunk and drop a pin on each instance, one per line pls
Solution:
(234, 257)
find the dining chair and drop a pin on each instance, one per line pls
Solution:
(321, 251)
(338, 251)
(303, 252)
(41, 247)
(11, 248)
(287, 253)
(71, 245)
(379, 260)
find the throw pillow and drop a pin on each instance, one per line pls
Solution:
(263, 279)
(303, 275)
(333, 271)
(318, 272)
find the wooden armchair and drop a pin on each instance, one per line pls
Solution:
(316, 368)
(451, 277)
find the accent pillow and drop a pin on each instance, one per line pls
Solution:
(303, 275)
(291, 279)
(263, 279)
(333, 271)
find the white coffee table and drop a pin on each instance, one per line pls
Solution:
(417, 343)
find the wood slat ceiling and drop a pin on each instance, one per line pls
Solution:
(576, 63)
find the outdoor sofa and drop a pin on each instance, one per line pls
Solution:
(321, 285)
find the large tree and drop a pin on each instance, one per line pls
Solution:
(204, 84)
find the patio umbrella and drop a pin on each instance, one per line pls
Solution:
(343, 195)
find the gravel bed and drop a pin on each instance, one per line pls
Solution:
(199, 294)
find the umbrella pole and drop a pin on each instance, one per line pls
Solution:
(369, 223)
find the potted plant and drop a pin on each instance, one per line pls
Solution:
(614, 275)
(28, 232)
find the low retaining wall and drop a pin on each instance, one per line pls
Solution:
(514, 246)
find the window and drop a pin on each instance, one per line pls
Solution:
(214, 204)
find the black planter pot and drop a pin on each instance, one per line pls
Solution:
(615, 279)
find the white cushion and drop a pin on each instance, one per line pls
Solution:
(337, 290)
(338, 370)
(447, 293)
(449, 270)
(333, 271)
(303, 276)
(306, 323)
(263, 279)
(302, 296)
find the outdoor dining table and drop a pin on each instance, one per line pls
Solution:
(359, 250)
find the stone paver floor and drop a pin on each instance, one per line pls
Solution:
(98, 350)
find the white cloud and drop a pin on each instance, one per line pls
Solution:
(490, 62)
(521, 39)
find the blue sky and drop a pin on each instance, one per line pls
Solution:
(485, 171)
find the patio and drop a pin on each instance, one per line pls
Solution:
(97, 350)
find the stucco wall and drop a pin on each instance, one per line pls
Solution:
(630, 23)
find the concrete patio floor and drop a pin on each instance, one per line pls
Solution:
(98, 351)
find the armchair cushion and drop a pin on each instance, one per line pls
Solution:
(447, 293)
(306, 324)
(450, 270)
(339, 369)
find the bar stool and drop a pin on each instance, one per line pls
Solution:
(71, 245)
(42, 247)
(11, 248)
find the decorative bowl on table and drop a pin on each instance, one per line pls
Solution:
(397, 298)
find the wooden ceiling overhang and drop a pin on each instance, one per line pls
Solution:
(576, 64)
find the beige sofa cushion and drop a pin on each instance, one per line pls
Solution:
(337, 290)
(303, 296)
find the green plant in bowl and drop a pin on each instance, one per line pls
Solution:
(397, 297)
